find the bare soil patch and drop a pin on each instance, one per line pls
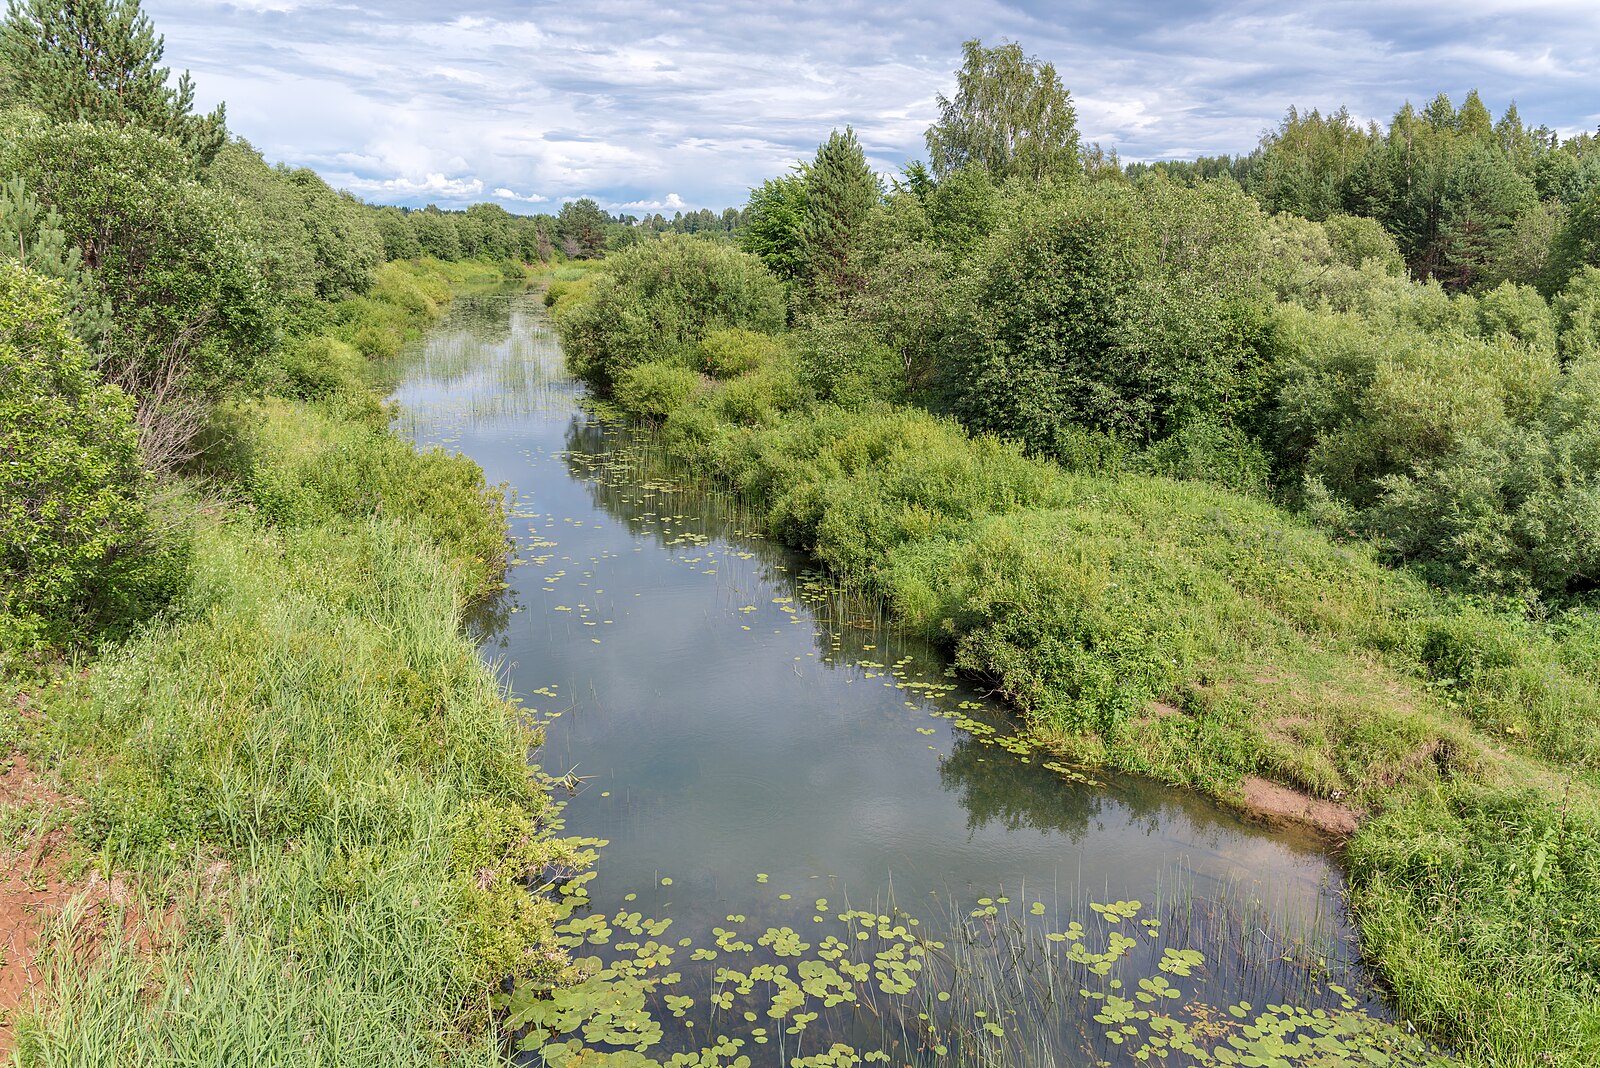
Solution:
(1276, 803)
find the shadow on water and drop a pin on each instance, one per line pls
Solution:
(816, 834)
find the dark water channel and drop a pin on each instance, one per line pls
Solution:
(761, 758)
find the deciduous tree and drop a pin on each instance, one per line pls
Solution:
(1010, 116)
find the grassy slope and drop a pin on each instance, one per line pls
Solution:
(312, 784)
(1469, 738)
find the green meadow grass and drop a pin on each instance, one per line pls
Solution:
(310, 791)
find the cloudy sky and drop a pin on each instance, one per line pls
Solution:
(648, 106)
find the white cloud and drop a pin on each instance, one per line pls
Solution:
(671, 202)
(433, 185)
(624, 98)
(527, 198)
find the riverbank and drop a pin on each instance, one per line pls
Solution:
(290, 821)
(1212, 640)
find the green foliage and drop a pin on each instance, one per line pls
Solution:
(330, 776)
(1125, 311)
(654, 390)
(659, 299)
(1356, 240)
(31, 235)
(1578, 244)
(1221, 454)
(98, 61)
(841, 364)
(305, 469)
(320, 366)
(167, 253)
(731, 353)
(436, 233)
(399, 236)
(1472, 458)
(81, 552)
(1577, 312)
(1488, 903)
(318, 244)
(840, 192)
(774, 216)
(1304, 165)
(581, 226)
(1010, 116)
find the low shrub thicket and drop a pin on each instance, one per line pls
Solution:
(656, 301)
(81, 553)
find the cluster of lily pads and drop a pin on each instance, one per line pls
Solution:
(1005, 983)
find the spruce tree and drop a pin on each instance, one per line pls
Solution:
(99, 61)
(841, 191)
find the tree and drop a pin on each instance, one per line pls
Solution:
(399, 236)
(193, 313)
(582, 226)
(99, 61)
(773, 218)
(1124, 311)
(841, 191)
(31, 234)
(1306, 163)
(436, 233)
(1578, 244)
(1010, 116)
(657, 300)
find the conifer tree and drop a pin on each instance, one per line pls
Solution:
(99, 61)
(841, 191)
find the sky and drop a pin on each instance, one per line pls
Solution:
(650, 106)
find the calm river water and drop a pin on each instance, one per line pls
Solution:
(762, 758)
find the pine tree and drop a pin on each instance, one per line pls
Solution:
(841, 191)
(99, 61)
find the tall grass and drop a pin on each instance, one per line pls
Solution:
(314, 791)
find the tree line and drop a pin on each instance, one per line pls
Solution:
(1363, 329)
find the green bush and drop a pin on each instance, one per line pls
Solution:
(1577, 310)
(306, 467)
(842, 364)
(1208, 452)
(170, 255)
(731, 353)
(78, 549)
(1128, 311)
(320, 366)
(761, 395)
(1470, 457)
(655, 302)
(655, 390)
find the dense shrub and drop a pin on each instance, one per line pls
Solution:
(1126, 311)
(1577, 312)
(843, 364)
(320, 366)
(1476, 459)
(317, 244)
(654, 390)
(657, 300)
(731, 353)
(78, 550)
(304, 467)
(169, 253)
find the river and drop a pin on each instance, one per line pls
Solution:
(772, 769)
